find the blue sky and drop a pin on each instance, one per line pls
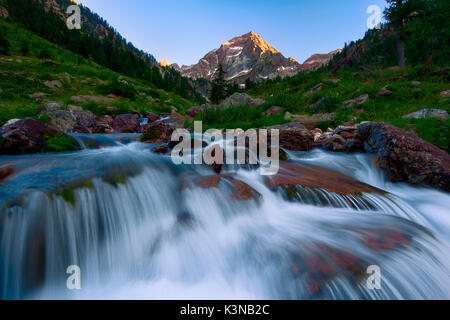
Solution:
(183, 31)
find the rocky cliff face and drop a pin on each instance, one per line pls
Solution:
(319, 59)
(247, 56)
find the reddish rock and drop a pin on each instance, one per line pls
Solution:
(5, 173)
(126, 123)
(106, 123)
(25, 136)
(405, 157)
(159, 133)
(86, 122)
(106, 120)
(161, 149)
(240, 190)
(294, 174)
(294, 136)
(152, 118)
(296, 139)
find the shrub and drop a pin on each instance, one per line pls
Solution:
(120, 88)
(96, 108)
(151, 134)
(59, 143)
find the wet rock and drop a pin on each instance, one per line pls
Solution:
(296, 139)
(427, 113)
(356, 101)
(126, 123)
(24, 136)
(273, 111)
(5, 173)
(152, 117)
(157, 133)
(239, 189)
(86, 121)
(379, 240)
(161, 149)
(405, 157)
(294, 174)
(336, 140)
(293, 136)
(106, 123)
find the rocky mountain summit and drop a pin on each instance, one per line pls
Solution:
(319, 59)
(244, 57)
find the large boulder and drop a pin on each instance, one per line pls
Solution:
(239, 190)
(126, 123)
(106, 123)
(30, 136)
(294, 137)
(405, 157)
(240, 99)
(61, 119)
(313, 177)
(86, 122)
(152, 117)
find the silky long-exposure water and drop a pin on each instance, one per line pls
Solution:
(122, 215)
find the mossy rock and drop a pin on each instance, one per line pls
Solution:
(150, 134)
(67, 192)
(59, 143)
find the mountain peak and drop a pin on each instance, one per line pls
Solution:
(252, 41)
(244, 57)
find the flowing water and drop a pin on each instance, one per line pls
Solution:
(120, 213)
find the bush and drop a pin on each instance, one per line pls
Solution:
(120, 88)
(326, 104)
(59, 143)
(151, 134)
(96, 109)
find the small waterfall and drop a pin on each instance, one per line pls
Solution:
(122, 215)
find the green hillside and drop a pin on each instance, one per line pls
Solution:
(33, 60)
(388, 88)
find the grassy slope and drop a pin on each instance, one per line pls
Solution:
(21, 76)
(406, 98)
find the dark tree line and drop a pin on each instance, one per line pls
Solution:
(221, 88)
(416, 32)
(99, 42)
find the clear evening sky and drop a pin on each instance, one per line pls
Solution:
(183, 31)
